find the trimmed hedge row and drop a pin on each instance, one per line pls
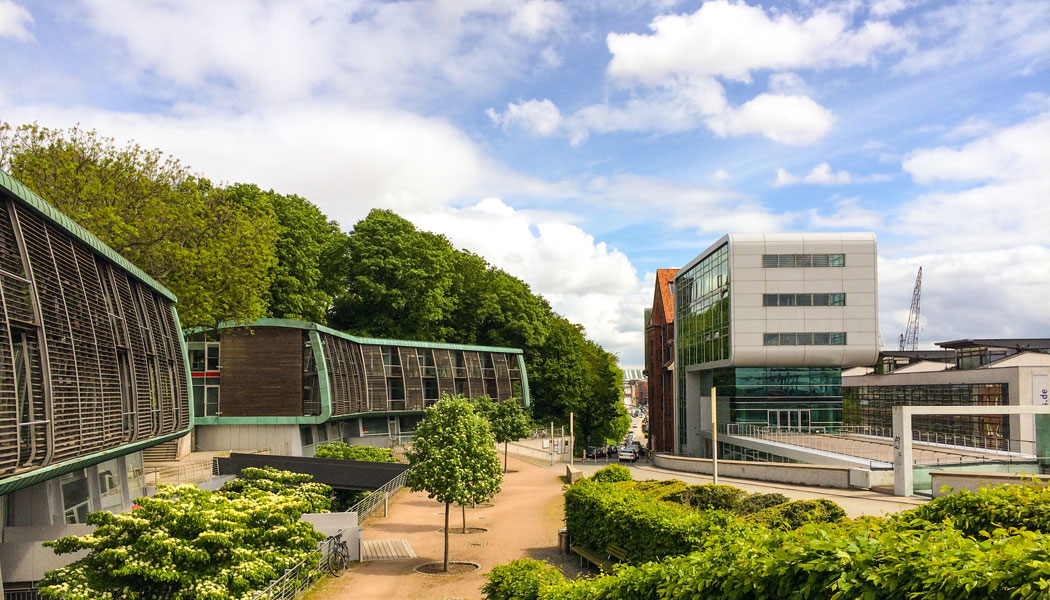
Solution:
(1004, 506)
(598, 514)
(612, 473)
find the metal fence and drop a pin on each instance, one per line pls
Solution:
(303, 574)
(380, 497)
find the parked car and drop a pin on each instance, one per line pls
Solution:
(595, 452)
(627, 454)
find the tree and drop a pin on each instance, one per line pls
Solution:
(397, 280)
(454, 458)
(507, 419)
(212, 246)
(224, 545)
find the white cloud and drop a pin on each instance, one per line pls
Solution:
(15, 21)
(972, 127)
(539, 117)
(259, 52)
(720, 176)
(998, 293)
(847, 214)
(821, 174)
(790, 120)
(994, 194)
(885, 8)
(732, 40)
(961, 32)
(585, 280)
(788, 84)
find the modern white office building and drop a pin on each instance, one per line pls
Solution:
(770, 320)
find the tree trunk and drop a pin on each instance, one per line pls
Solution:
(505, 446)
(464, 507)
(446, 537)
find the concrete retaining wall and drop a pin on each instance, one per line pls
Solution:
(972, 480)
(535, 449)
(834, 476)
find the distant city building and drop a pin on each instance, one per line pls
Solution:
(92, 372)
(770, 320)
(659, 362)
(975, 372)
(290, 385)
(635, 388)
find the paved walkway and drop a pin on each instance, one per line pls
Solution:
(522, 521)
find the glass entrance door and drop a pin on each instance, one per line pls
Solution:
(788, 418)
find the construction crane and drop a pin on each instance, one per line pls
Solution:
(910, 337)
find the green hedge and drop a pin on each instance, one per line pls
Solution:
(710, 496)
(354, 452)
(795, 514)
(520, 579)
(611, 474)
(599, 514)
(756, 502)
(1004, 506)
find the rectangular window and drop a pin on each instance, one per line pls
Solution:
(76, 498)
(374, 426)
(461, 387)
(803, 260)
(804, 299)
(395, 389)
(787, 299)
(430, 389)
(213, 356)
(490, 389)
(821, 299)
(804, 339)
(838, 339)
(786, 260)
(820, 260)
(821, 339)
(306, 435)
(770, 339)
(427, 366)
(787, 339)
(769, 261)
(769, 300)
(196, 359)
(837, 260)
(838, 299)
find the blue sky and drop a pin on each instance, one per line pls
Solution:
(580, 146)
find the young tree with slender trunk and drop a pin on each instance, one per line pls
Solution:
(454, 457)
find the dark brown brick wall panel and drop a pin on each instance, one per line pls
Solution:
(261, 372)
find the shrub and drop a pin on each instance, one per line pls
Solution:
(710, 497)
(661, 490)
(1019, 506)
(521, 579)
(756, 502)
(611, 474)
(354, 452)
(599, 514)
(794, 514)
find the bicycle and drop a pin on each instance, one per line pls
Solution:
(339, 556)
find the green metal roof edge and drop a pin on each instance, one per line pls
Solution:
(41, 206)
(29, 478)
(309, 326)
(526, 397)
(300, 420)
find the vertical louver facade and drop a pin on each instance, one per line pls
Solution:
(91, 354)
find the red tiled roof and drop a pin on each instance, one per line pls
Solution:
(663, 301)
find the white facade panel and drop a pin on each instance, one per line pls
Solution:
(784, 275)
(858, 285)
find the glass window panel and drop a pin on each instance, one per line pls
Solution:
(75, 496)
(770, 339)
(197, 359)
(820, 260)
(786, 260)
(769, 260)
(804, 299)
(804, 339)
(803, 260)
(213, 357)
(787, 339)
(395, 388)
(821, 339)
(838, 339)
(821, 299)
(837, 260)
(787, 299)
(374, 426)
(838, 299)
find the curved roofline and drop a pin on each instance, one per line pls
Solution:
(17, 190)
(310, 326)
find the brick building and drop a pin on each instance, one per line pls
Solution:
(659, 363)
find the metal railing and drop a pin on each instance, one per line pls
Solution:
(179, 474)
(380, 497)
(876, 443)
(300, 576)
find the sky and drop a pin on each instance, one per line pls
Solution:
(581, 146)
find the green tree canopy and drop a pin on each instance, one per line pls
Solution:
(212, 246)
(507, 419)
(454, 457)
